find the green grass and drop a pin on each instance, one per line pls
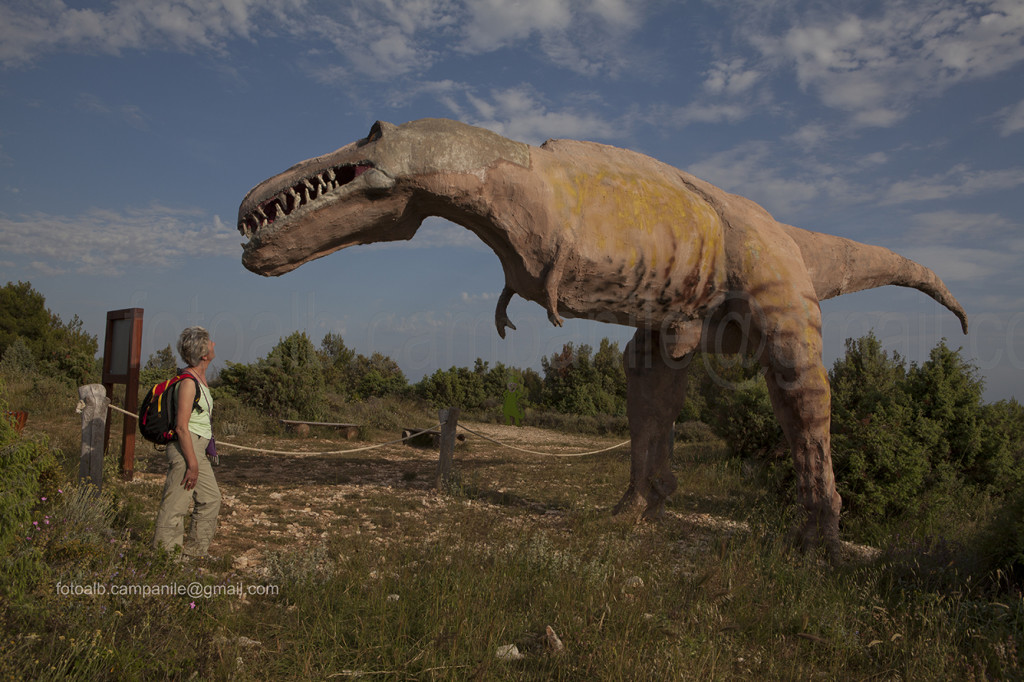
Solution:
(397, 582)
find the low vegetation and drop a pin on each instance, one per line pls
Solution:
(351, 566)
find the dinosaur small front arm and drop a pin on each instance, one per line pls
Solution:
(501, 320)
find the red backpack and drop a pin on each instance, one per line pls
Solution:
(158, 413)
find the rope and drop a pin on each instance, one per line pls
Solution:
(401, 440)
(302, 452)
(543, 454)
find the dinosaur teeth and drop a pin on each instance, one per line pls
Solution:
(306, 191)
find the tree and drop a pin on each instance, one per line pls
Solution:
(881, 443)
(17, 358)
(288, 383)
(947, 390)
(23, 314)
(159, 366)
(377, 376)
(63, 350)
(456, 386)
(578, 382)
(338, 361)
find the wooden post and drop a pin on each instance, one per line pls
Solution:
(122, 346)
(94, 422)
(449, 423)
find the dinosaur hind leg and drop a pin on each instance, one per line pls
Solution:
(799, 390)
(656, 391)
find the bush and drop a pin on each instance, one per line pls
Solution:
(287, 384)
(57, 348)
(1003, 540)
(576, 381)
(357, 377)
(881, 444)
(377, 376)
(457, 386)
(745, 420)
(160, 366)
(28, 476)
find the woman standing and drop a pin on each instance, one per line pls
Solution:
(189, 474)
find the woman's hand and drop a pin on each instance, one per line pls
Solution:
(191, 476)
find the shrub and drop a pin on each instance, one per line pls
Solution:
(28, 472)
(881, 444)
(355, 376)
(288, 383)
(457, 386)
(576, 381)
(61, 349)
(947, 390)
(160, 366)
(744, 419)
(17, 358)
(377, 376)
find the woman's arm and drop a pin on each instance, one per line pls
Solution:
(186, 396)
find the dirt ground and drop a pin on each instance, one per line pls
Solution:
(275, 502)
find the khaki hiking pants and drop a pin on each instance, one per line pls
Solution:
(170, 520)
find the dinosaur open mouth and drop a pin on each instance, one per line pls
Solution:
(303, 193)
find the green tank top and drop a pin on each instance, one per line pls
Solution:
(199, 423)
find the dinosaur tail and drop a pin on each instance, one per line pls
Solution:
(843, 266)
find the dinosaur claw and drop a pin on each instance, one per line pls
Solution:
(502, 324)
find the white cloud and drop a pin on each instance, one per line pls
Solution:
(958, 264)
(730, 78)
(958, 182)
(495, 23)
(28, 31)
(1013, 119)
(946, 227)
(810, 135)
(706, 112)
(519, 114)
(471, 298)
(617, 12)
(105, 242)
(877, 66)
(379, 38)
(753, 170)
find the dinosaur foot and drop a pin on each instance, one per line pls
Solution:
(636, 506)
(812, 536)
(630, 504)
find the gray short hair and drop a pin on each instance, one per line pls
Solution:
(193, 344)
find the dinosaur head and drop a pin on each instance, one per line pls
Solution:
(368, 191)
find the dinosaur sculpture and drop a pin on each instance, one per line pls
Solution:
(593, 231)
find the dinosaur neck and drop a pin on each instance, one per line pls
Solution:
(468, 201)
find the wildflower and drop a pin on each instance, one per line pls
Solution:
(192, 605)
(60, 491)
(43, 499)
(35, 523)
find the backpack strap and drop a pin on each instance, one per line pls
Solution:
(196, 407)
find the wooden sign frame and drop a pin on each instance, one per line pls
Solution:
(122, 346)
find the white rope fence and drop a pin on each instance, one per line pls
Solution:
(543, 454)
(401, 440)
(303, 452)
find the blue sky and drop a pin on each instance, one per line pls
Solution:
(130, 131)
